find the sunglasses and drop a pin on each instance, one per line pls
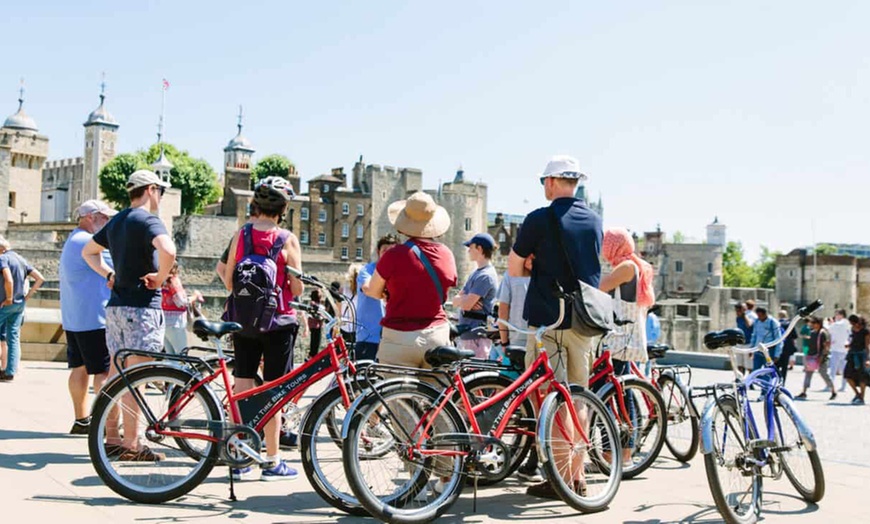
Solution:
(161, 189)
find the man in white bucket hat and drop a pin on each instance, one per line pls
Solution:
(581, 234)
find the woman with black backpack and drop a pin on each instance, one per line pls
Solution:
(259, 253)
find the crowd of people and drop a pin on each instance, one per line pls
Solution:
(121, 288)
(836, 346)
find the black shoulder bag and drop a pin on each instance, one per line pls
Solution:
(591, 308)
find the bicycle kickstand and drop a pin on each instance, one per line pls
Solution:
(232, 490)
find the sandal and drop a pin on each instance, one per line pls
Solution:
(143, 454)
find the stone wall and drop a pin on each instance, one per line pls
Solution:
(204, 236)
(863, 293)
(834, 279)
(466, 204)
(686, 269)
(28, 151)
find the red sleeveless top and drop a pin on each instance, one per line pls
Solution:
(262, 242)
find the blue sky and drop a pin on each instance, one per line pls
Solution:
(755, 112)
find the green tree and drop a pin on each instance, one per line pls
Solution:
(765, 268)
(114, 175)
(679, 237)
(271, 165)
(736, 272)
(826, 249)
(194, 177)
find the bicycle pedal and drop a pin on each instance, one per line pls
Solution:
(780, 449)
(761, 444)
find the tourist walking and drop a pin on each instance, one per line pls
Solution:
(250, 247)
(143, 254)
(857, 371)
(349, 307)
(817, 357)
(315, 324)
(566, 225)
(370, 311)
(13, 298)
(840, 330)
(477, 298)
(764, 331)
(789, 346)
(744, 324)
(83, 299)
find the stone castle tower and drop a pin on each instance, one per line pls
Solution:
(237, 169)
(101, 138)
(465, 201)
(22, 154)
(716, 233)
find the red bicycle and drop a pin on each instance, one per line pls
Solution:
(434, 439)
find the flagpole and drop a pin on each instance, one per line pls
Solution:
(815, 258)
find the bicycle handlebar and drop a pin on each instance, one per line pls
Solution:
(538, 333)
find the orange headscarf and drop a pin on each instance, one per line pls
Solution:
(618, 246)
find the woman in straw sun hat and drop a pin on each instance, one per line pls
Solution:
(414, 277)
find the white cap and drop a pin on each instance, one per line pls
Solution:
(89, 207)
(563, 166)
(143, 177)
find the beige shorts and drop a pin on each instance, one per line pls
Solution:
(407, 348)
(570, 355)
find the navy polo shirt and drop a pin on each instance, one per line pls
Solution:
(581, 234)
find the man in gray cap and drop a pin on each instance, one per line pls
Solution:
(143, 254)
(83, 299)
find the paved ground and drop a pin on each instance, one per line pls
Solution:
(46, 475)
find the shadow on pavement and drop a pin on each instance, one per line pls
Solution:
(773, 505)
(36, 461)
(14, 434)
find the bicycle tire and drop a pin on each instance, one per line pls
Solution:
(143, 487)
(314, 449)
(521, 446)
(815, 492)
(401, 505)
(678, 410)
(600, 427)
(727, 407)
(654, 423)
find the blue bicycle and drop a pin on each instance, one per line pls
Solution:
(736, 457)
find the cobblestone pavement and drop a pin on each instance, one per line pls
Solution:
(46, 475)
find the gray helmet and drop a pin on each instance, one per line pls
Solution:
(272, 193)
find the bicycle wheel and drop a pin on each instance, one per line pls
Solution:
(682, 436)
(642, 430)
(576, 467)
(516, 436)
(170, 470)
(801, 465)
(395, 487)
(735, 484)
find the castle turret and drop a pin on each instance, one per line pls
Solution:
(101, 137)
(22, 154)
(237, 168)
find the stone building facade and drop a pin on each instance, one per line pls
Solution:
(683, 270)
(68, 182)
(839, 281)
(22, 153)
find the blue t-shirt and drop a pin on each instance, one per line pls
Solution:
(484, 283)
(653, 328)
(83, 291)
(20, 269)
(369, 311)
(581, 234)
(129, 236)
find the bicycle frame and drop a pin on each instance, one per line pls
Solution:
(606, 372)
(253, 407)
(657, 371)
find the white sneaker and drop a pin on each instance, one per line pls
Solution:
(438, 487)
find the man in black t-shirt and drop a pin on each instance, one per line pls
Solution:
(582, 234)
(143, 254)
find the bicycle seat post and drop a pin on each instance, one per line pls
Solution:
(220, 348)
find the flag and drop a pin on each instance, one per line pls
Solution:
(165, 84)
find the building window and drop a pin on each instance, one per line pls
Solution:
(836, 275)
(359, 231)
(345, 208)
(321, 215)
(359, 253)
(344, 252)
(360, 210)
(791, 272)
(678, 266)
(710, 268)
(326, 188)
(468, 224)
(303, 215)
(321, 239)
(345, 230)
(501, 237)
(303, 237)
(12, 199)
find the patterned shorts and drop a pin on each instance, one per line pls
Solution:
(134, 328)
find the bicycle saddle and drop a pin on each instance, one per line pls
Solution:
(655, 351)
(724, 338)
(203, 328)
(443, 355)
